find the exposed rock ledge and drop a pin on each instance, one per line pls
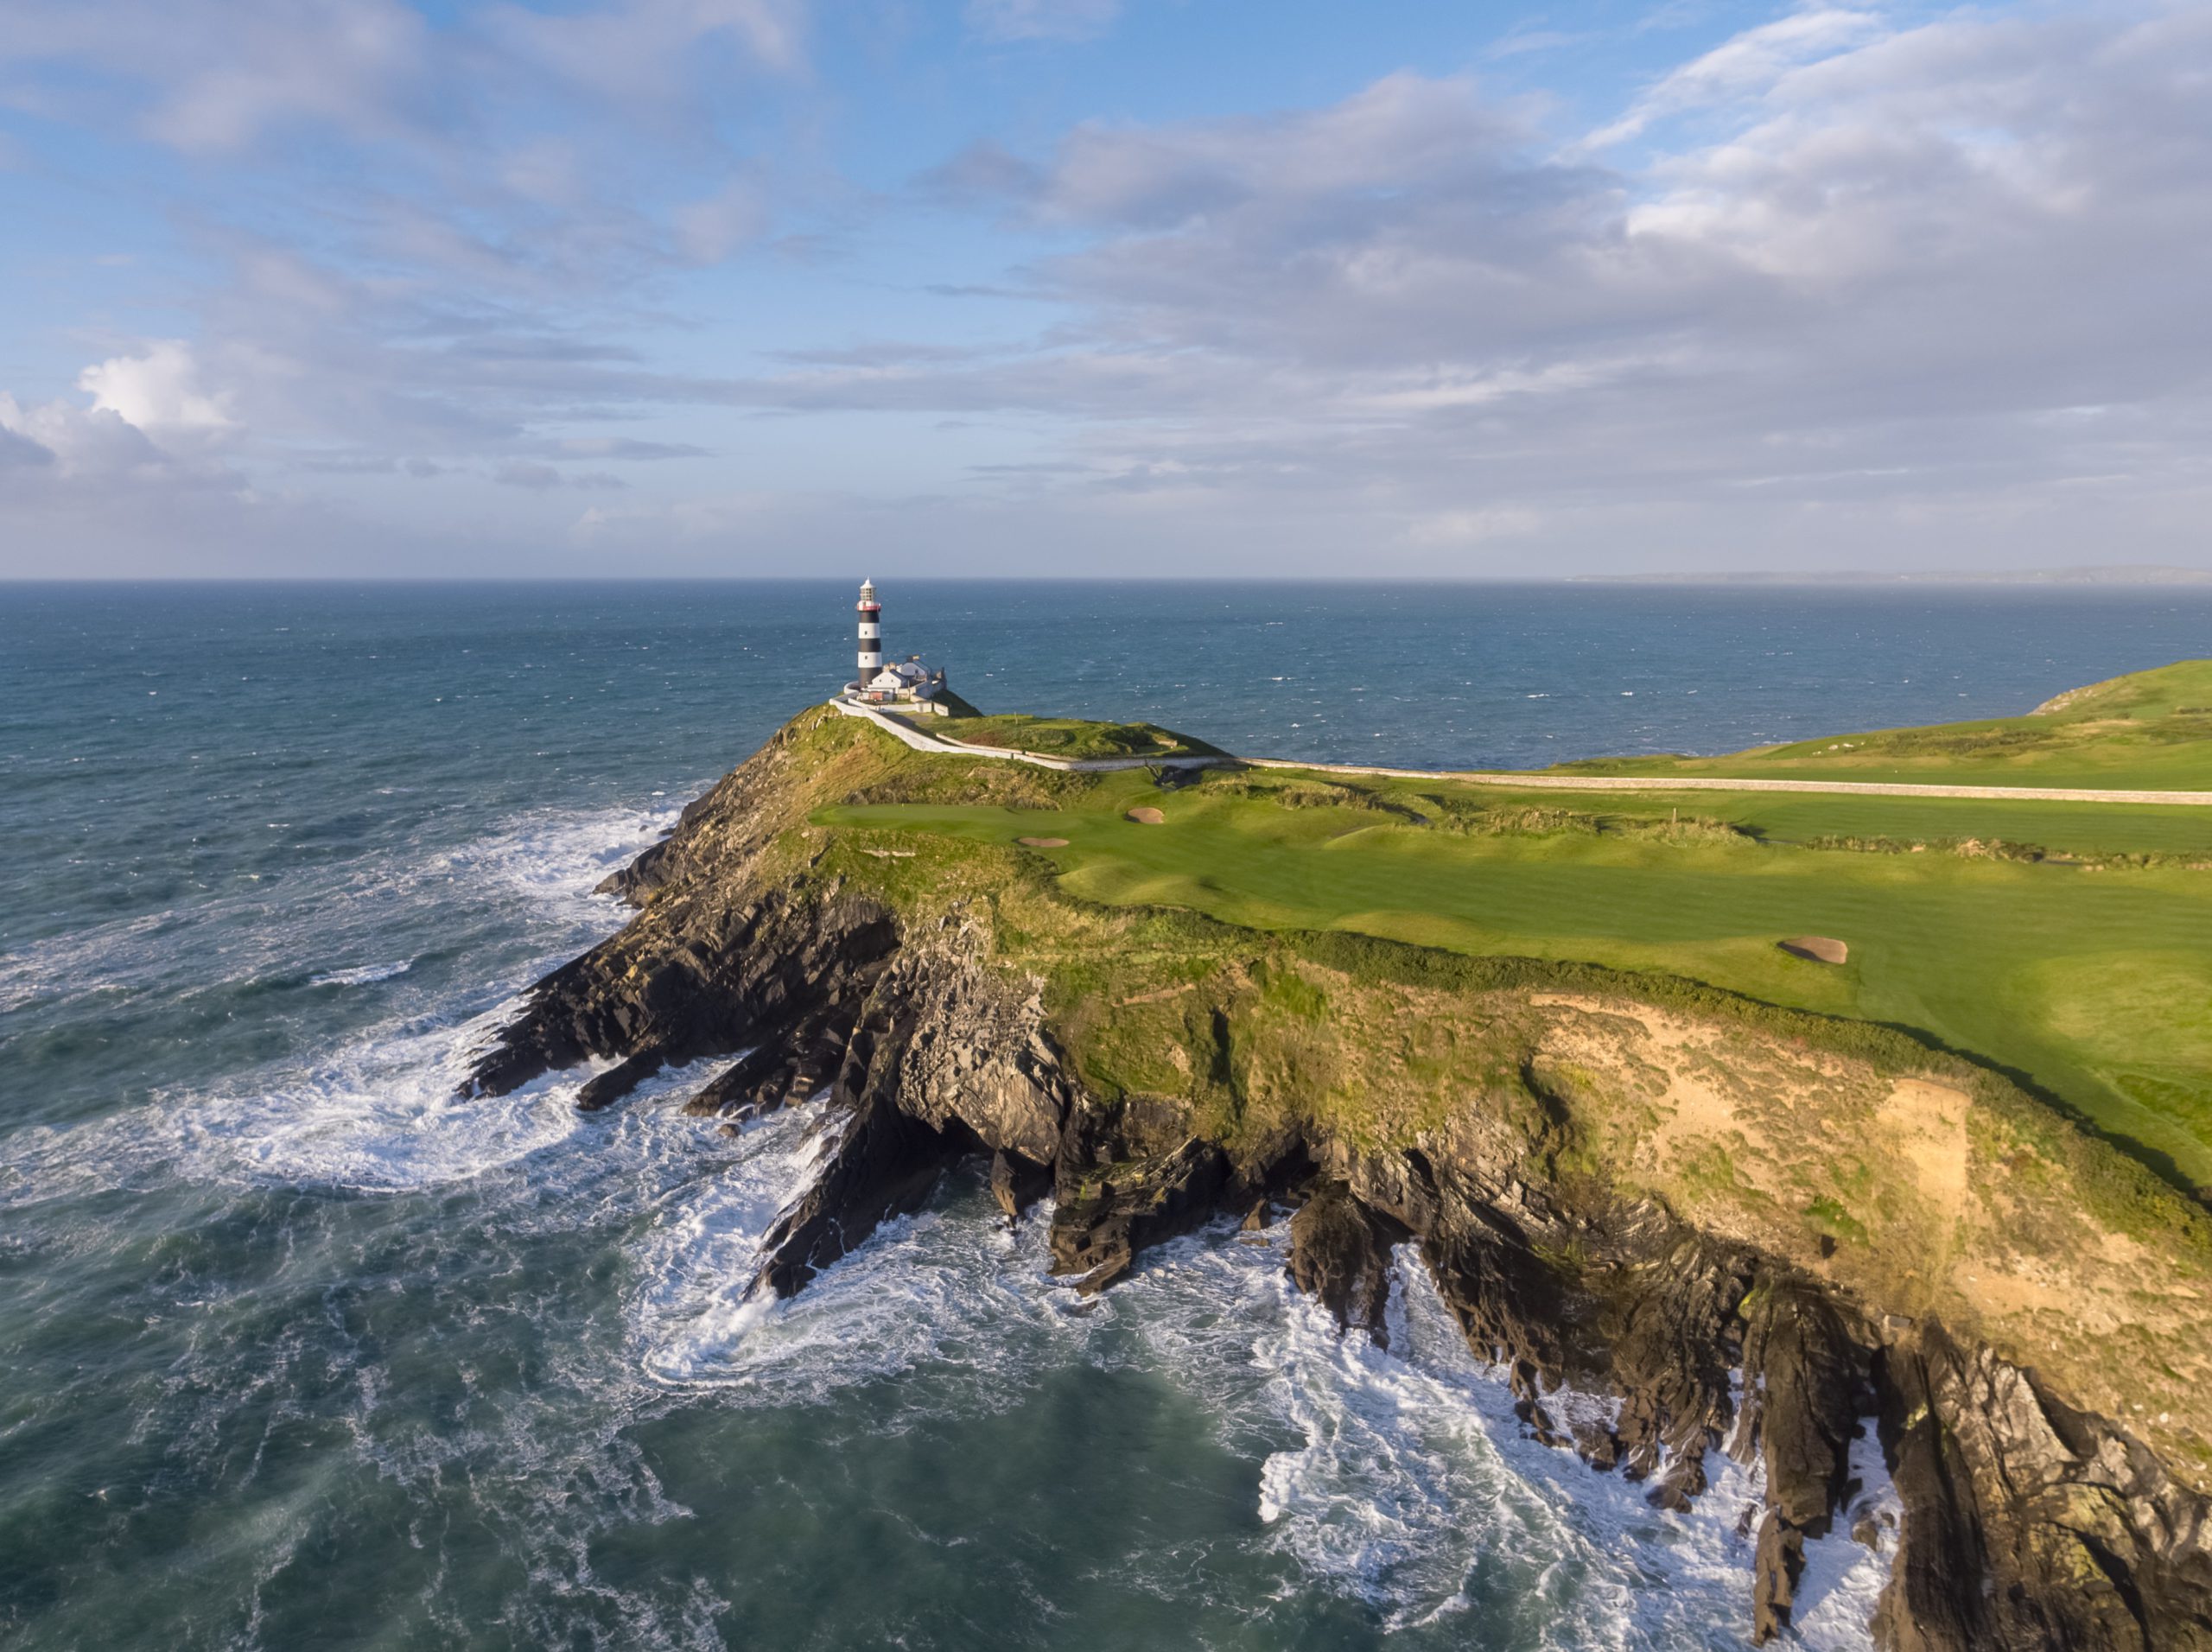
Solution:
(2027, 1523)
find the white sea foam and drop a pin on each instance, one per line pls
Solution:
(949, 1287)
(379, 1111)
(556, 859)
(1402, 1479)
(379, 1114)
(548, 864)
(362, 974)
(106, 957)
(1843, 1579)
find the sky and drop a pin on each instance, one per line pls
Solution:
(1131, 288)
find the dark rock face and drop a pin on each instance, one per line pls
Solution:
(1807, 1385)
(2025, 1524)
(1340, 1256)
(2028, 1524)
(879, 1164)
(1107, 1213)
(778, 971)
(1016, 1184)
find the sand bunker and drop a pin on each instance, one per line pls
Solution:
(1820, 948)
(1147, 816)
(1042, 842)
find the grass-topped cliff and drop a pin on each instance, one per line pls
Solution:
(1640, 1145)
(2069, 943)
(1221, 956)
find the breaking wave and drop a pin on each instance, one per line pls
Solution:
(1399, 1479)
(379, 1110)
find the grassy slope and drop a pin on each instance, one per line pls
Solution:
(1069, 737)
(2149, 731)
(1910, 1176)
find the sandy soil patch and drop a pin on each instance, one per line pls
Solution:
(1042, 842)
(1820, 948)
(1928, 1124)
(1147, 816)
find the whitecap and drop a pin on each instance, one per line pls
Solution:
(361, 975)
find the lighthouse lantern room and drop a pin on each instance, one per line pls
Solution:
(908, 682)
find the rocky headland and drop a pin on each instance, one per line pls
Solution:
(1759, 1232)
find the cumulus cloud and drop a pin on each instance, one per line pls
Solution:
(76, 444)
(18, 447)
(78, 480)
(159, 390)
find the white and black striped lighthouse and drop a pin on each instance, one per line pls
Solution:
(871, 635)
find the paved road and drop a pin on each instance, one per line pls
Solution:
(1519, 781)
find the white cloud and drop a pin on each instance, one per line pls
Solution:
(220, 75)
(159, 390)
(79, 443)
(635, 51)
(1746, 64)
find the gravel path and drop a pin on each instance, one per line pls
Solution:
(1519, 781)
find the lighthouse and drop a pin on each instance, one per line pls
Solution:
(871, 635)
(906, 683)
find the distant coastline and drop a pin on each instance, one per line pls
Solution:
(2133, 574)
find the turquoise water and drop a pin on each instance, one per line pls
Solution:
(296, 1349)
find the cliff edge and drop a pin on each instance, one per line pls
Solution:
(1762, 1232)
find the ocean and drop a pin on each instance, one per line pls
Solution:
(298, 1350)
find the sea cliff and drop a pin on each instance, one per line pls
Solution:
(1757, 1231)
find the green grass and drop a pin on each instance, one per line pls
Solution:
(1069, 737)
(2094, 983)
(2151, 731)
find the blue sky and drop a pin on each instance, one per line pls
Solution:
(1101, 287)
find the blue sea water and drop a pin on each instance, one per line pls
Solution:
(296, 1350)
